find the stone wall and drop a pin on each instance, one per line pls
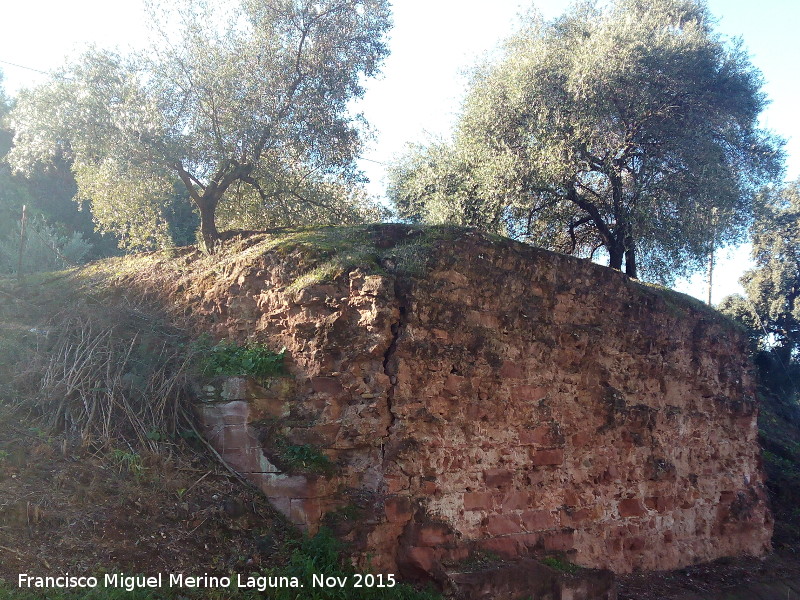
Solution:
(510, 401)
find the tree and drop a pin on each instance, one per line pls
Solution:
(623, 128)
(772, 307)
(247, 108)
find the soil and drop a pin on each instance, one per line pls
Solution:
(83, 511)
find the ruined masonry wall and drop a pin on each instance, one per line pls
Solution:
(512, 400)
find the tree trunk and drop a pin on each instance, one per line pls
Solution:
(616, 252)
(630, 261)
(630, 254)
(209, 236)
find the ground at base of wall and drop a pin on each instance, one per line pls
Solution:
(66, 509)
(774, 577)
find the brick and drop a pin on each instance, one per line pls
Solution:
(543, 458)
(422, 558)
(515, 501)
(305, 511)
(631, 507)
(635, 544)
(571, 498)
(661, 504)
(529, 393)
(478, 501)
(398, 509)
(453, 383)
(431, 536)
(286, 486)
(428, 487)
(508, 546)
(544, 435)
(327, 385)
(536, 520)
(511, 370)
(502, 525)
(282, 505)
(498, 477)
(243, 460)
(396, 483)
(574, 518)
(559, 541)
(581, 439)
(234, 388)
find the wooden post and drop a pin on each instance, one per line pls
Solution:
(21, 244)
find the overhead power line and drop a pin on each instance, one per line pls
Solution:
(7, 62)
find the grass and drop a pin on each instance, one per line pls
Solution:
(560, 565)
(227, 358)
(305, 458)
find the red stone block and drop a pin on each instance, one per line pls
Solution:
(631, 507)
(559, 541)
(536, 520)
(507, 547)
(581, 439)
(540, 436)
(422, 558)
(529, 393)
(660, 503)
(282, 505)
(571, 498)
(478, 501)
(669, 537)
(243, 460)
(431, 536)
(453, 383)
(327, 385)
(428, 487)
(398, 509)
(498, 477)
(294, 486)
(502, 525)
(511, 370)
(543, 458)
(395, 483)
(515, 501)
(530, 541)
(575, 517)
(635, 544)
(305, 511)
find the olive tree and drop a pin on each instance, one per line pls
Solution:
(630, 128)
(245, 105)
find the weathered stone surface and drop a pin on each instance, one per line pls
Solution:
(526, 578)
(523, 400)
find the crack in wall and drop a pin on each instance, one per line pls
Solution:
(390, 366)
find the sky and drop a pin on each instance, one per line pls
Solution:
(433, 45)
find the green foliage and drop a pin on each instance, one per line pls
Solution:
(45, 249)
(331, 251)
(560, 565)
(128, 461)
(629, 128)
(305, 458)
(323, 554)
(244, 104)
(227, 358)
(771, 310)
